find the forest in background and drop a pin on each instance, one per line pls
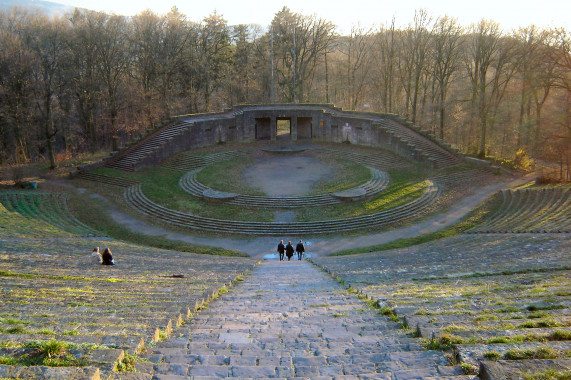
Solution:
(72, 84)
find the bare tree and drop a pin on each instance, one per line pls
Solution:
(446, 60)
(46, 40)
(297, 63)
(481, 52)
(214, 55)
(386, 59)
(417, 48)
(357, 50)
(16, 89)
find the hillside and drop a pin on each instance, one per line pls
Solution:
(48, 7)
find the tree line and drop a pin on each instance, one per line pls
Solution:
(72, 84)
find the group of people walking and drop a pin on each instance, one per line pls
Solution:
(288, 250)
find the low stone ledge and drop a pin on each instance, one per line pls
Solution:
(514, 369)
(478, 161)
(42, 372)
(284, 149)
(351, 195)
(218, 196)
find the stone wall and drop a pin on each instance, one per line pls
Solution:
(324, 123)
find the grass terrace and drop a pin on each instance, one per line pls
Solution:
(495, 297)
(55, 295)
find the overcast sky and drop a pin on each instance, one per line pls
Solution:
(509, 13)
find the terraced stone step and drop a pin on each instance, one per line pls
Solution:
(542, 210)
(134, 196)
(106, 179)
(412, 306)
(189, 162)
(472, 353)
(129, 343)
(538, 333)
(68, 373)
(471, 322)
(287, 319)
(60, 292)
(50, 208)
(513, 370)
(380, 160)
(439, 155)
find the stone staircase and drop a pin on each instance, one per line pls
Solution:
(499, 304)
(129, 159)
(190, 162)
(382, 160)
(428, 150)
(290, 320)
(135, 197)
(531, 210)
(105, 179)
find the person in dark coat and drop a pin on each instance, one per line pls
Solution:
(289, 250)
(107, 257)
(299, 248)
(281, 250)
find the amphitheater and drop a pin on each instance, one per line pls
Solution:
(485, 293)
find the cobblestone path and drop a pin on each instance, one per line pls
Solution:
(291, 320)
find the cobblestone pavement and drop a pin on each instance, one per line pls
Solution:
(291, 320)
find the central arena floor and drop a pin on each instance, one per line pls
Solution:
(286, 175)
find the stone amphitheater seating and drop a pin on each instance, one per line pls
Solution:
(378, 182)
(430, 151)
(51, 289)
(381, 160)
(194, 163)
(530, 210)
(47, 207)
(129, 158)
(135, 197)
(189, 161)
(489, 295)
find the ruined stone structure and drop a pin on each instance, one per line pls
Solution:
(317, 122)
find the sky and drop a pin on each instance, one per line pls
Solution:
(510, 14)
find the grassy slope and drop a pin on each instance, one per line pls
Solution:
(94, 213)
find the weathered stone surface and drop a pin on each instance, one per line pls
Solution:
(290, 320)
(514, 369)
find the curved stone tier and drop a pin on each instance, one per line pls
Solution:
(50, 208)
(134, 196)
(218, 196)
(530, 210)
(284, 149)
(378, 182)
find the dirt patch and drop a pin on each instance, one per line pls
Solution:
(286, 176)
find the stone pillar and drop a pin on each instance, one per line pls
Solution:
(293, 128)
(273, 128)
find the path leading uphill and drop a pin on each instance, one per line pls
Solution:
(291, 320)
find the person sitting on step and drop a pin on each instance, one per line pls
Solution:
(95, 256)
(107, 257)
